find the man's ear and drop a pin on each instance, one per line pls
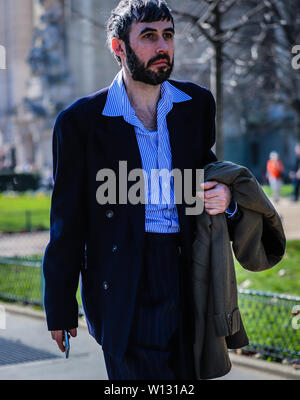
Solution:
(118, 47)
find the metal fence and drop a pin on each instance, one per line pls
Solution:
(21, 280)
(272, 321)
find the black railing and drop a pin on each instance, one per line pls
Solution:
(272, 322)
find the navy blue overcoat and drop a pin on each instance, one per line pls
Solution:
(104, 243)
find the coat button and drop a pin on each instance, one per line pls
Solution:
(105, 285)
(229, 316)
(109, 213)
(115, 248)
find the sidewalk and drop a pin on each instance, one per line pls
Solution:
(290, 214)
(29, 336)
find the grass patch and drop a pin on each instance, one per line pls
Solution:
(20, 283)
(285, 191)
(23, 282)
(24, 211)
(284, 278)
(268, 320)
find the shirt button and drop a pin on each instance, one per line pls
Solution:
(105, 285)
(109, 213)
(115, 248)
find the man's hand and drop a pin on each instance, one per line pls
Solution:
(58, 336)
(217, 197)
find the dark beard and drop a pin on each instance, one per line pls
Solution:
(142, 74)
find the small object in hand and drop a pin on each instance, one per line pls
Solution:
(67, 344)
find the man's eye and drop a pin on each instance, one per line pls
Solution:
(148, 36)
(168, 36)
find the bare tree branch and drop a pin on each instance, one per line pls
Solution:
(84, 17)
(209, 12)
(228, 7)
(285, 26)
(245, 19)
(194, 20)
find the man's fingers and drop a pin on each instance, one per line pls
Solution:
(58, 337)
(208, 185)
(220, 204)
(216, 191)
(73, 332)
(213, 211)
(216, 196)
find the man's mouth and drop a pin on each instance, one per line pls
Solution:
(162, 62)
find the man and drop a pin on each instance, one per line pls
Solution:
(134, 259)
(275, 169)
(295, 174)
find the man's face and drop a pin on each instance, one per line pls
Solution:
(150, 52)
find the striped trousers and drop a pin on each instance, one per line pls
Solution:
(157, 348)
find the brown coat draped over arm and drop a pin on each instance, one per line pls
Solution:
(258, 242)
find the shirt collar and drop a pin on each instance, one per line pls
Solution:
(117, 102)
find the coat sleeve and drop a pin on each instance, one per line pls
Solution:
(65, 251)
(258, 240)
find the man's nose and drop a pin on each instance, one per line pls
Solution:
(162, 46)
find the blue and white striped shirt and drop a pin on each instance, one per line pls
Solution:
(155, 150)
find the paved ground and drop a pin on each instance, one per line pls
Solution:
(23, 244)
(290, 214)
(86, 359)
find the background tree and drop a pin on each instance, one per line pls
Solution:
(221, 24)
(285, 21)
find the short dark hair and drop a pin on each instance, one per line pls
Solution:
(129, 11)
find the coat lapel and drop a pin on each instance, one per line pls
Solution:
(178, 122)
(119, 142)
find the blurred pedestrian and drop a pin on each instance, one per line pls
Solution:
(274, 173)
(295, 174)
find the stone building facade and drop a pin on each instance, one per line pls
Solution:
(55, 53)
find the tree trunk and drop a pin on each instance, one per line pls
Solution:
(298, 126)
(217, 85)
(219, 103)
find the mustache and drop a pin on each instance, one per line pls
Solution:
(159, 58)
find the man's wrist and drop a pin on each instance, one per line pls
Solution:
(235, 215)
(232, 209)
